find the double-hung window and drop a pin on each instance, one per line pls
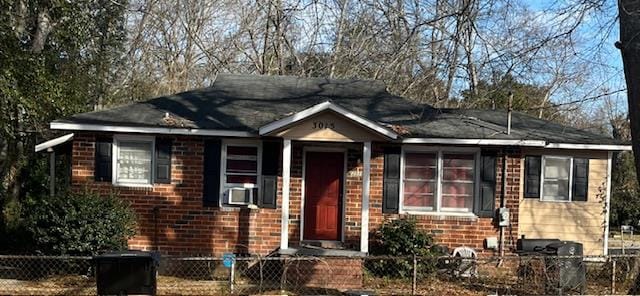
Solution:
(439, 180)
(556, 177)
(133, 161)
(241, 173)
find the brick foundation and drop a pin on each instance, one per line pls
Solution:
(335, 273)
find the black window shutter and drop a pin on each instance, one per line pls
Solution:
(580, 179)
(271, 152)
(102, 170)
(532, 172)
(487, 198)
(211, 173)
(391, 184)
(163, 161)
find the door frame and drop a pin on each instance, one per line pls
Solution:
(342, 199)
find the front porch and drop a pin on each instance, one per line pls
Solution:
(325, 196)
(326, 175)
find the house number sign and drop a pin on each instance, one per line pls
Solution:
(324, 125)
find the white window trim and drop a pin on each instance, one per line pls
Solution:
(116, 151)
(224, 186)
(542, 168)
(439, 150)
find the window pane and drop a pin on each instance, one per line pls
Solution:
(556, 190)
(420, 159)
(417, 200)
(556, 178)
(419, 193)
(457, 174)
(420, 173)
(242, 166)
(556, 168)
(134, 162)
(242, 160)
(241, 179)
(458, 161)
(242, 150)
(459, 202)
(454, 188)
(458, 181)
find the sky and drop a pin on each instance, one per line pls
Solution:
(601, 30)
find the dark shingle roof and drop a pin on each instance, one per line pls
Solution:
(247, 102)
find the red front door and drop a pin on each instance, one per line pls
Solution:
(322, 195)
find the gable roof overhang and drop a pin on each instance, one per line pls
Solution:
(54, 142)
(321, 107)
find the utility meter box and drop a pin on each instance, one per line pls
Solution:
(503, 217)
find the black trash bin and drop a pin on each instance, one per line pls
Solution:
(126, 273)
(564, 274)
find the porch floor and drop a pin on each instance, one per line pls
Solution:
(320, 252)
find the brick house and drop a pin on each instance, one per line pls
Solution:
(219, 169)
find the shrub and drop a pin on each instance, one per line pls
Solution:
(78, 223)
(402, 239)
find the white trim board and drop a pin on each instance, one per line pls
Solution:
(279, 124)
(530, 143)
(608, 205)
(149, 130)
(54, 142)
(589, 146)
(525, 143)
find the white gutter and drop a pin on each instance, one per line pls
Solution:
(53, 142)
(589, 146)
(149, 130)
(525, 143)
(498, 142)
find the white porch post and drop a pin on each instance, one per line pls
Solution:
(286, 181)
(366, 176)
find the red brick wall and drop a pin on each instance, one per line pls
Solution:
(449, 230)
(185, 227)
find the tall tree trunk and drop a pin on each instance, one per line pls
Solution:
(629, 46)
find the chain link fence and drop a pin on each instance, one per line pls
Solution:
(252, 275)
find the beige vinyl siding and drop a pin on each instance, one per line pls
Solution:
(583, 222)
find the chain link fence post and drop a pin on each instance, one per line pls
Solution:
(414, 281)
(261, 267)
(613, 276)
(283, 278)
(232, 275)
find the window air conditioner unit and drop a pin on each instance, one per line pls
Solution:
(240, 196)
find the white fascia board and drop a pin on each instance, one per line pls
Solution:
(488, 142)
(589, 146)
(54, 142)
(149, 130)
(276, 125)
